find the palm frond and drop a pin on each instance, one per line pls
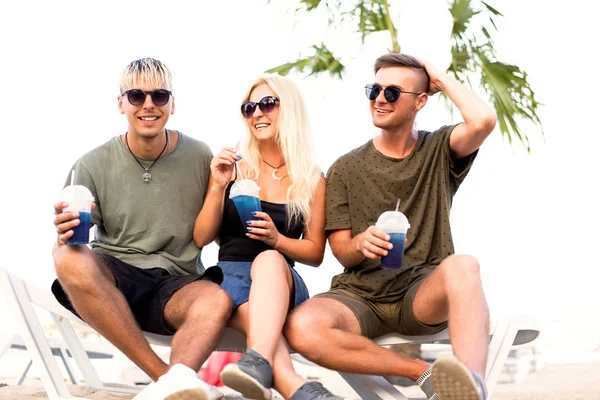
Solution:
(309, 5)
(322, 60)
(369, 17)
(507, 86)
(461, 12)
(492, 9)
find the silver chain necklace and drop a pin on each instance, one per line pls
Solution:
(146, 175)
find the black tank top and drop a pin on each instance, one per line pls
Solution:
(236, 246)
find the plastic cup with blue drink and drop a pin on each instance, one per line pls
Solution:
(244, 194)
(395, 224)
(80, 200)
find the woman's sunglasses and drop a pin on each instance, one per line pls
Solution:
(266, 105)
(391, 93)
(137, 97)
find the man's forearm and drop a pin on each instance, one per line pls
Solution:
(346, 251)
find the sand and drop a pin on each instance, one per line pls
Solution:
(553, 382)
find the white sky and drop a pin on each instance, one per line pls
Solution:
(530, 219)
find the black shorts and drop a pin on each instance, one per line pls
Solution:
(146, 291)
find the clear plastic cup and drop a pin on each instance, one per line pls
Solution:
(80, 200)
(244, 194)
(395, 224)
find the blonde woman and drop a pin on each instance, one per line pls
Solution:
(257, 257)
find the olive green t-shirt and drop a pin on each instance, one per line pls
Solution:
(150, 224)
(364, 183)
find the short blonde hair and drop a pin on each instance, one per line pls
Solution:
(149, 70)
(295, 142)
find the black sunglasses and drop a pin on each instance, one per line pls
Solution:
(137, 97)
(266, 105)
(391, 93)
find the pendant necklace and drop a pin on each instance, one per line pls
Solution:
(274, 174)
(146, 175)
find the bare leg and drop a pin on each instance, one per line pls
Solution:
(239, 320)
(454, 293)
(198, 312)
(262, 319)
(269, 302)
(326, 332)
(285, 379)
(91, 289)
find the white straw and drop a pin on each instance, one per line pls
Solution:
(397, 204)
(237, 149)
(72, 177)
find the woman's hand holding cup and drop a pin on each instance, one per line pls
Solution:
(263, 230)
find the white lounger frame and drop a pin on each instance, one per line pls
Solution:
(505, 333)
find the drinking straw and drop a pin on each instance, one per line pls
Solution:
(237, 148)
(72, 177)
(397, 205)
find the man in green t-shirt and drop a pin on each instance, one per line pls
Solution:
(434, 289)
(143, 270)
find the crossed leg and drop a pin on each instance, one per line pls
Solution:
(327, 332)
(263, 316)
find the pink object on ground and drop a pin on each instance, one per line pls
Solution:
(215, 364)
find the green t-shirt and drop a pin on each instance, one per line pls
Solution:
(147, 225)
(364, 183)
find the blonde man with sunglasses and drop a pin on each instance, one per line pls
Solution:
(140, 273)
(434, 288)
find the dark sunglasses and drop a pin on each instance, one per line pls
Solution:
(266, 105)
(391, 93)
(137, 97)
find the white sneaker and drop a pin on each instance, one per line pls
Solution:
(213, 392)
(150, 392)
(182, 383)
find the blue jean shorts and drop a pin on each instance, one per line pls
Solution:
(237, 281)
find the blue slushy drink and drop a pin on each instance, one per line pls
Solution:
(80, 200)
(245, 206)
(81, 233)
(244, 194)
(395, 224)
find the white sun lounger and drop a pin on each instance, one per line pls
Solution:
(59, 349)
(505, 333)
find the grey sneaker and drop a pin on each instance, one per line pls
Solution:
(452, 380)
(426, 386)
(313, 391)
(252, 376)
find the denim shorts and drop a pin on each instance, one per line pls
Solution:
(237, 281)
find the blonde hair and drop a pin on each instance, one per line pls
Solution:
(145, 71)
(295, 142)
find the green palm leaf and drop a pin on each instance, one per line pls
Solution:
(321, 61)
(507, 85)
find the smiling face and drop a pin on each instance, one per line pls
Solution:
(263, 125)
(147, 120)
(392, 116)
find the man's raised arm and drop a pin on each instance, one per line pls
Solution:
(480, 119)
